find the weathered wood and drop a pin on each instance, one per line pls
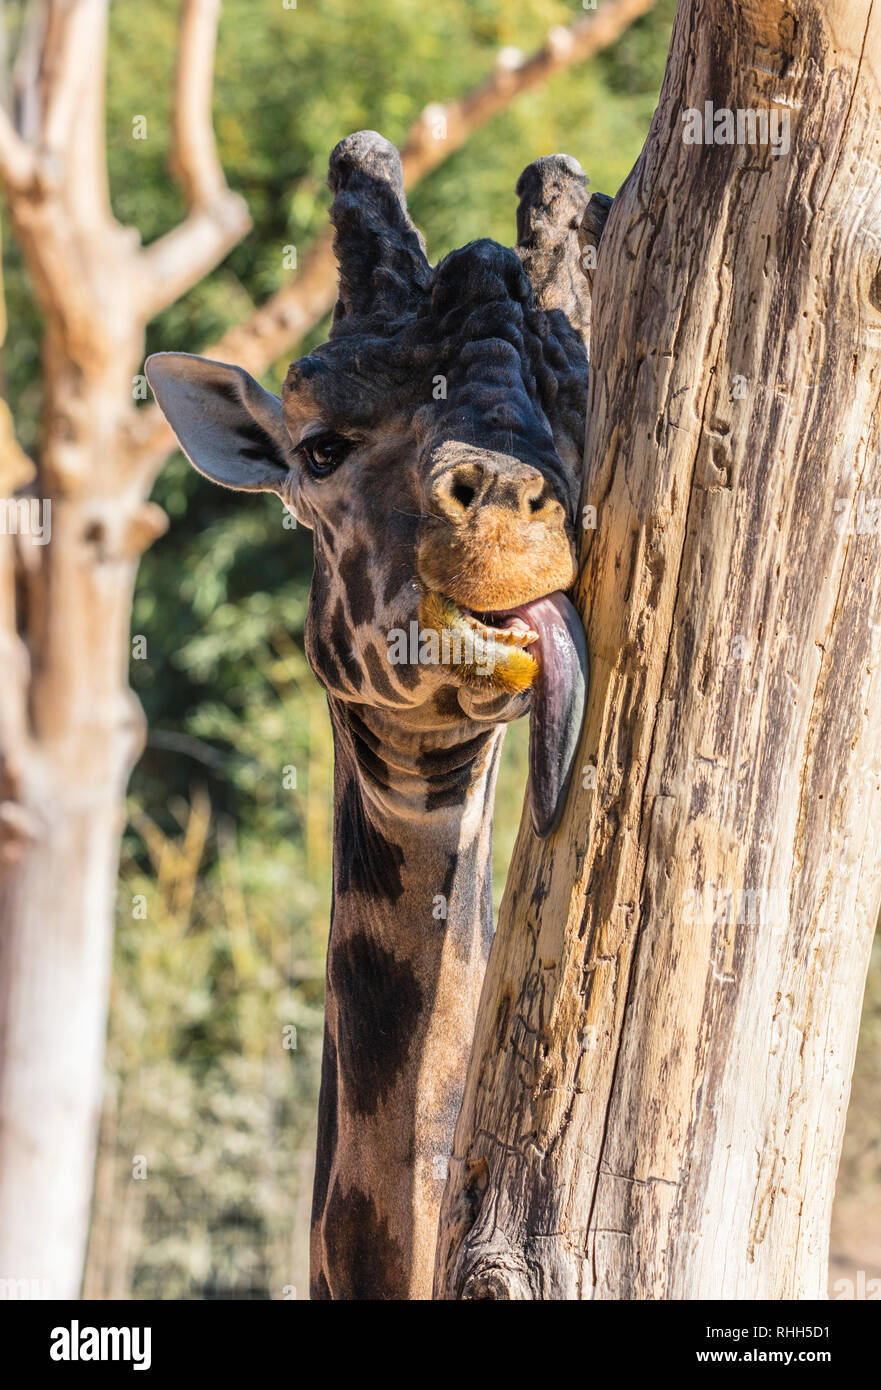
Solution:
(656, 1098)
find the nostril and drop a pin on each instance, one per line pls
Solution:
(463, 493)
(533, 496)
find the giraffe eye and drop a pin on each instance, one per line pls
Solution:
(325, 452)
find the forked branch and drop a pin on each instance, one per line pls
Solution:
(18, 165)
(217, 218)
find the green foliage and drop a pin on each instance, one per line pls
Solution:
(213, 1062)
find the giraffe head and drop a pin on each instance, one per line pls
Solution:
(433, 445)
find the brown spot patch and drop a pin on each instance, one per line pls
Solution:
(327, 1126)
(375, 666)
(354, 571)
(364, 860)
(446, 703)
(364, 1259)
(341, 638)
(379, 1001)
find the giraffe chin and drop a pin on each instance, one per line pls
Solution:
(538, 647)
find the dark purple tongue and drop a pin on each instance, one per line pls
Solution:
(559, 696)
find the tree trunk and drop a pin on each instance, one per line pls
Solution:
(70, 728)
(79, 731)
(656, 1099)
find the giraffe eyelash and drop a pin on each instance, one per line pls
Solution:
(324, 451)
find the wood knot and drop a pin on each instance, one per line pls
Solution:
(501, 1276)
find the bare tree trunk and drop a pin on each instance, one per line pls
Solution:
(81, 733)
(657, 1094)
(70, 728)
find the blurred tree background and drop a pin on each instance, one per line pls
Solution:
(204, 1173)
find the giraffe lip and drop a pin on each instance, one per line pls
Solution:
(508, 627)
(486, 657)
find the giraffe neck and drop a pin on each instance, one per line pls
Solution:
(410, 934)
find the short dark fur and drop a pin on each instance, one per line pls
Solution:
(365, 862)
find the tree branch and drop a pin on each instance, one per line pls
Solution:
(16, 468)
(57, 172)
(26, 72)
(218, 218)
(194, 160)
(564, 45)
(71, 77)
(294, 310)
(18, 165)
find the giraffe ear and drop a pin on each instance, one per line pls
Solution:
(228, 426)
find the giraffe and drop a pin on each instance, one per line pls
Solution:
(434, 446)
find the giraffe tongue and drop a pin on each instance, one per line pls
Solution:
(559, 695)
